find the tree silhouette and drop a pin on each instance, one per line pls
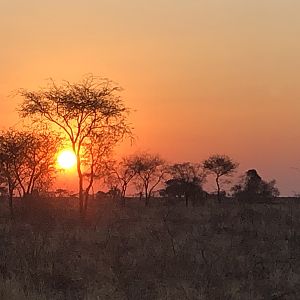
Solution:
(122, 173)
(96, 156)
(11, 153)
(220, 165)
(38, 171)
(25, 162)
(80, 110)
(187, 180)
(253, 188)
(151, 170)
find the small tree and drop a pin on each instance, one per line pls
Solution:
(26, 161)
(38, 169)
(253, 188)
(187, 180)
(150, 169)
(80, 110)
(11, 154)
(122, 174)
(97, 155)
(220, 166)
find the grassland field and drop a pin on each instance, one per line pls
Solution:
(225, 250)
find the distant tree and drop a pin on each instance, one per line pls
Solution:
(80, 110)
(11, 153)
(39, 169)
(186, 181)
(114, 192)
(96, 157)
(150, 169)
(220, 166)
(62, 193)
(253, 188)
(100, 195)
(122, 174)
(27, 161)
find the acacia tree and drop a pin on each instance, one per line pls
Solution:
(80, 110)
(151, 170)
(11, 157)
(97, 155)
(187, 180)
(122, 173)
(38, 170)
(25, 162)
(220, 166)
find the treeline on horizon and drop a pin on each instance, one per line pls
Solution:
(91, 117)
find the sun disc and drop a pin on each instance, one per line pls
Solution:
(66, 159)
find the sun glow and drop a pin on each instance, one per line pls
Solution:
(66, 159)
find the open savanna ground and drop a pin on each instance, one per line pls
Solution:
(164, 251)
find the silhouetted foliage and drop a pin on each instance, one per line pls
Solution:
(96, 156)
(40, 168)
(253, 188)
(62, 193)
(100, 195)
(186, 181)
(220, 166)
(81, 110)
(27, 161)
(114, 192)
(11, 157)
(150, 169)
(122, 173)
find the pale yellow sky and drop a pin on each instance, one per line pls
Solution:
(205, 76)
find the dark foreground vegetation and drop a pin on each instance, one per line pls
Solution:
(212, 250)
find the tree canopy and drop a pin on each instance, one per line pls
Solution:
(27, 161)
(187, 180)
(220, 165)
(83, 110)
(150, 170)
(253, 188)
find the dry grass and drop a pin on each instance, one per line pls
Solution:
(212, 251)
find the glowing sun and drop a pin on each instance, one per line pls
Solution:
(66, 159)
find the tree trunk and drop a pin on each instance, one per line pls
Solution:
(123, 194)
(88, 188)
(146, 198)
(81, 194)
(218, 187)
(86, 195)
(86, 200)
(186, 200)
(123, 201)
(11, 204)
(146, 194)
(80, 178)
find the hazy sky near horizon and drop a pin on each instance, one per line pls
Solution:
(204, 76)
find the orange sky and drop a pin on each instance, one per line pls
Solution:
(205, 76)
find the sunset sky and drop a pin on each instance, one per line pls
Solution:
(203, 76)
